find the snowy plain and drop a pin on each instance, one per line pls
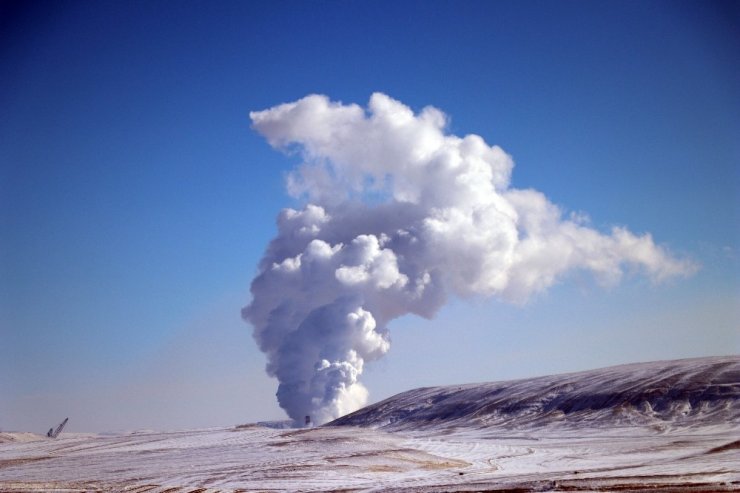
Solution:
(665, 426)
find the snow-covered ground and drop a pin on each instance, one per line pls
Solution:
(436, 440)
(663, 395)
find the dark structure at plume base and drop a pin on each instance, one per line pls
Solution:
(52, 433)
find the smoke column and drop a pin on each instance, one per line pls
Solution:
(400, 215)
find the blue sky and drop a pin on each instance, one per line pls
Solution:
(137, 201)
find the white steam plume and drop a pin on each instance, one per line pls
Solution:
(399, 216)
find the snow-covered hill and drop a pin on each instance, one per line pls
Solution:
(697, 392)
(578, 432)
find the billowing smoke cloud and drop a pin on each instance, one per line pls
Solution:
(400, 216)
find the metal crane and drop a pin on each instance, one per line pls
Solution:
(55, 433)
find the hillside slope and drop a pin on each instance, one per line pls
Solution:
(669, 426)
(662, 395)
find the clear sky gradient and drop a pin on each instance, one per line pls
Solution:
(136, 201)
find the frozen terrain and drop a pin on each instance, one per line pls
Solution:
(672, 426)
(666, 395)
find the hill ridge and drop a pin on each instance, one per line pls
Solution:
(661, 394)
